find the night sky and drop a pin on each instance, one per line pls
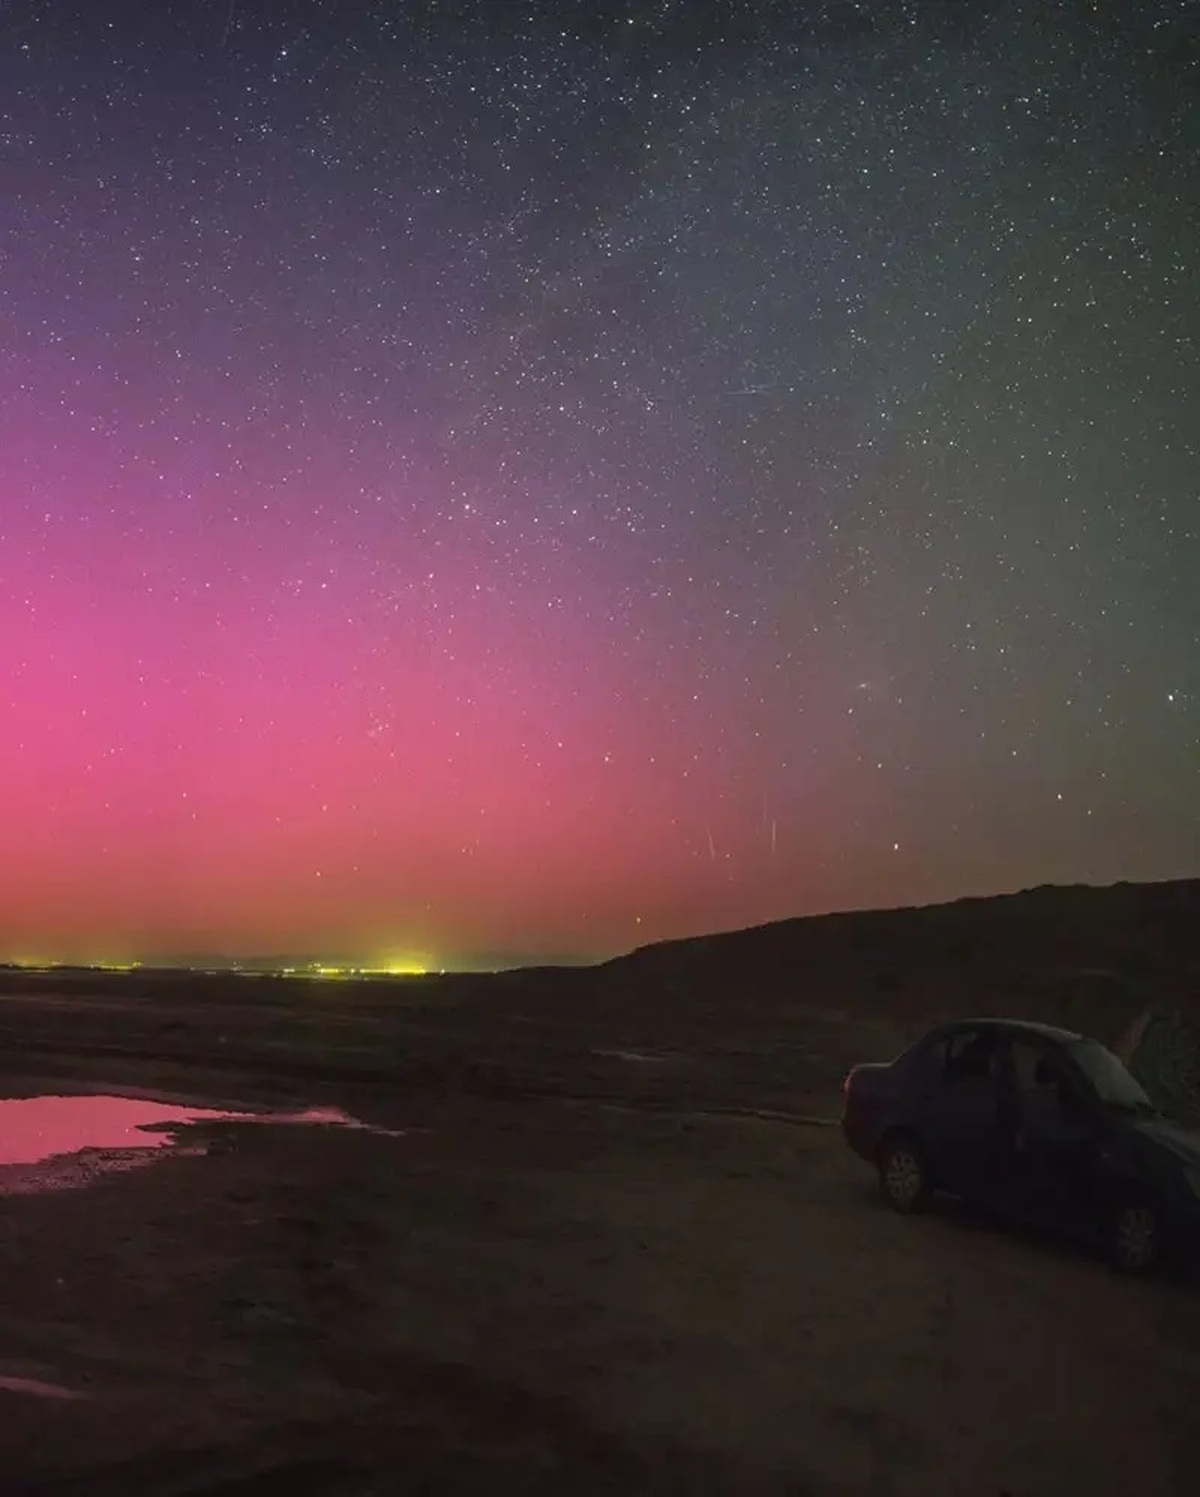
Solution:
(502, 480)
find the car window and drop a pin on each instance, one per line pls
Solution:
(1046, 1090)
(1033, 1068)
(1110, 1079)
(971, 1056)
(1038, 1074)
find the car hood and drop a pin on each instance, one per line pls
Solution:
(1176, 1139)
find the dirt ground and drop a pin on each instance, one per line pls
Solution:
(581, 1267)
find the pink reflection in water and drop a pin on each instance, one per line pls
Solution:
(33, 1129)
(35, 1387)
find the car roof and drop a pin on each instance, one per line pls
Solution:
(1028, 1027)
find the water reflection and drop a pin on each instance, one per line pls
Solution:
(33, 1129)
(86, 1135)
(37, 1387)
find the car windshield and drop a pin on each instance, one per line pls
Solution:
(1113, 1081)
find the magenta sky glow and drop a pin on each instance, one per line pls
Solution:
(491, 492)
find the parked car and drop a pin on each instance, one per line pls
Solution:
(1037, 1124)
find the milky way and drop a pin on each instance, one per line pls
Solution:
(502, 481)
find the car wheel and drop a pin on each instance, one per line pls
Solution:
(1134, 1241)
(902, 1176)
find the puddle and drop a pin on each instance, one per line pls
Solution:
(58, 1142)
(34, 1387)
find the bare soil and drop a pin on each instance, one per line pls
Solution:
(586, 1266)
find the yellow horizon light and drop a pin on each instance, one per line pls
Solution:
(399, 967)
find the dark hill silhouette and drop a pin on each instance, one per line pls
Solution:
(1137, 940)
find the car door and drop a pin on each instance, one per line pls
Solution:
(1057, 1141)
(959, 1112)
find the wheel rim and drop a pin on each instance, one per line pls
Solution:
(902, 1176)
(1135, 1236)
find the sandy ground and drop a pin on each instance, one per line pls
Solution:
(603, 1285)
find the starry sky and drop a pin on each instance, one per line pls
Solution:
(503, 481)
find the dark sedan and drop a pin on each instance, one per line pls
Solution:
(1036, 1123)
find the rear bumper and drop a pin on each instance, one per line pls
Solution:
(860, 1139)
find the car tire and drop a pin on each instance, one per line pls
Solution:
(1133, 1241)
(903, 1178)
